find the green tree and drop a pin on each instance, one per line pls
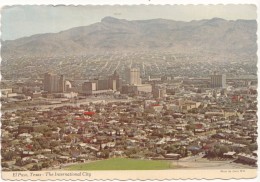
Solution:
(8, 155)
(44, 143)
(131, 151)
(45, 165)
(54, 144)
(48, 133)
(223, 149)
(36, 145)
(5, 164)
(190, 127)
(253, 147)
(36, 167)
(106, 154)
(41, 129)
(18, 162)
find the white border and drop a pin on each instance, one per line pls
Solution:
(126, 2)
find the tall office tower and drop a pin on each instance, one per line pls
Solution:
(112, 84)
(47, 82)
(62, 83)
(114, 81)
(218, 80)
(158, 91)
(102, 84)
(133, 76)
(52, 83)
(88, 87)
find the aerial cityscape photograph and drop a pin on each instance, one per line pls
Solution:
(145, 87)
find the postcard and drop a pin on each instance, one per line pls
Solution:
(129, 92)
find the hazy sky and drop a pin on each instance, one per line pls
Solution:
(20, 21)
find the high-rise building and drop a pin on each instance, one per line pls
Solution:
(218, 80)
(133, 76)
(102, 85)
(88, 87)
(53, 83)
(62, 83)
(158, 91)
(114, 81)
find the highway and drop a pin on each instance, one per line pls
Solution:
(77, 104)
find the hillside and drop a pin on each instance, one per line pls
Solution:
(111, 34)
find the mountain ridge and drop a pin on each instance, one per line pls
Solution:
(112, 34)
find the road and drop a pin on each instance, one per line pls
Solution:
(198, 162)
(79, 102)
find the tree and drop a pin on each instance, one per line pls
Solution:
(149, 153)
(48, 133)
(41, 129)
(246, 150)
(36, 168)
(218, 151)
(45, 165)
(36, 145)
(183, 151)
(194, 110)
(44, 143)
(242, 150)
(253, 147)
(8, 155)
(19, 162)
(5, 164)
(190, 127)
(131, 151)
(106, 154)
(223, 149)
(54, 144)
(68, 138)
(171, 149)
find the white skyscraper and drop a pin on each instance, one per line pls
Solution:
(133, 76)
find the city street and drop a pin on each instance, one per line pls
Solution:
(198, 162)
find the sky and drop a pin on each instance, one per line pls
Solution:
(22, 21)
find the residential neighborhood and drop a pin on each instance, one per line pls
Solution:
(216, 124)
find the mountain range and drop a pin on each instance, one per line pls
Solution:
(214, 35)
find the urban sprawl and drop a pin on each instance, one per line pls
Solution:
(162, 107)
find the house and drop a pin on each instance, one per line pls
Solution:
(229, 154)
(27, 153)
(248, 159)
(172, 156)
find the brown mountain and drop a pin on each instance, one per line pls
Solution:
(111, 34)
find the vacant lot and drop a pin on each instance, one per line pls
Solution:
(123, 164)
